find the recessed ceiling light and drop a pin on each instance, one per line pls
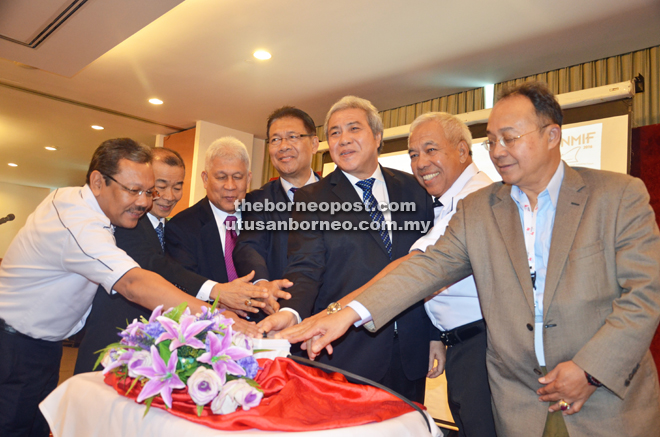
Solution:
(156, 101)
(261, 54)
(50, 148)
(96, 127)
(11, 164)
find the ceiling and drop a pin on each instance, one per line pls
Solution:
(102, 64)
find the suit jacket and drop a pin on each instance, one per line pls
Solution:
(262, 250)
(326, 265)
(192, 238)
(112, 311)
(601, 300)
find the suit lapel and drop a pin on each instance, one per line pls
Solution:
(570, 206)
(345, 191)
(508, 220)
(210, 236)
(150, 232)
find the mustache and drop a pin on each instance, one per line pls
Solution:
(140, 209)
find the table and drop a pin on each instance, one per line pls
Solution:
(85, 406)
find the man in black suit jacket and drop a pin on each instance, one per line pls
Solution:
(197, 237)
(324, 265)
(143, 244)
(292, 143)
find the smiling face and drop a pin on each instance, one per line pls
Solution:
(293, 161)
(435, 161)
(533, 159)
(226, 181)
(352, 144)
(119, 205)
(169, 184)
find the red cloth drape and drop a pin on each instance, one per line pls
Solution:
(296, 398)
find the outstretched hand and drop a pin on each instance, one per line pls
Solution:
(277, 322)
(240, 294)
(321, 331)
(275, 291)
(567, 383)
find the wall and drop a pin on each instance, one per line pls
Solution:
(19, 200)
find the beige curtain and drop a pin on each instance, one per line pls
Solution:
(646, 105)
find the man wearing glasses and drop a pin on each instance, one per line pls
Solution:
(292, 143)
(53, 267)
(567, 266)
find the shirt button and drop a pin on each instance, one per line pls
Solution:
(530, 327)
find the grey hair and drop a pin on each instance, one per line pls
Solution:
(454, 129)
(352, 102)
(226, 148)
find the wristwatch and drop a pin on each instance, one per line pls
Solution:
(333, 307)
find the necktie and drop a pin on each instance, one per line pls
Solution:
(230, 243)
(293, 191)
(160, 231)
(437, 203)
(374, 212)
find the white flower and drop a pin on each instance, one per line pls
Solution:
(235, 393)
(140, 358)
(223, 404)
(241, 340)
(204, 385)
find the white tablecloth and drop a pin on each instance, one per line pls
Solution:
(85, 406)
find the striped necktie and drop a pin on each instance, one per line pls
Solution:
(374, 212)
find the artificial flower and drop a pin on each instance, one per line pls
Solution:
(220, 354)
(162, 378)
(204, 385)
(182, 333)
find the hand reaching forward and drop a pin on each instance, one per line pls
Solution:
(567, 383)
(276, 322)
(236, 294)
(241, 325)
(275, 291)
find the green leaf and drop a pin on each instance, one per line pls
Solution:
(253, 383)
(164, 350)
(148, 404)
(200, 408)
(107, 348)
(132, 385)
(215, 303)
(175, 313)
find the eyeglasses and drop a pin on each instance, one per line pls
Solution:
(291, 138)
(135, 193)
(508, 143)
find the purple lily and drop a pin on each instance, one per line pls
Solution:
(221, 355)
(115, 358)
(162, 378)
(184, 333)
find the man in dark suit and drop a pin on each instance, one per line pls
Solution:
(144, 244)
(202, 237)
(292, 143)
(324, 265)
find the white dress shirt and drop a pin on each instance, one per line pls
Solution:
(204, 292)
(54, 265)
(458, 304)
(286, 185)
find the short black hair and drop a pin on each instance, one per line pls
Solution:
(168, 156)
(546, 105)
(290, 111)
(107, 156)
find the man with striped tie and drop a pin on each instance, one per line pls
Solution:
(325, 265)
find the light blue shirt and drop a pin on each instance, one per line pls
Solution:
(537, 228)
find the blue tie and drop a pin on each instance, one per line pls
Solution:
(160, 230)
(437, 203)
(374, 212)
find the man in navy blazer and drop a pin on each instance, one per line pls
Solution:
(143, 244)
(325, 265)
(292, 143)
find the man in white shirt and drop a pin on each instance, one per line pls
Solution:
(53, 267)
(145, 244)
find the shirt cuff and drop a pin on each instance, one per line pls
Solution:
(259, 280)
(363, 312)
(204, 292)
(295, 313)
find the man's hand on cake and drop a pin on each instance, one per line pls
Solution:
(242, 325)
(276, 290)
(277, 322)
(240, 294)
(323, 331)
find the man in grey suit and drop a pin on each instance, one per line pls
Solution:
(580, 302)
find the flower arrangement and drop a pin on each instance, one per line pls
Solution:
(175, 349)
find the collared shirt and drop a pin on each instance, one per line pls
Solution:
(458, 304)
(537, 227)
(286, 185)
(53, 267)
(204, 292)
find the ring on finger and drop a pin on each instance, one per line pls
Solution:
(563, 405)
(248, 302)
